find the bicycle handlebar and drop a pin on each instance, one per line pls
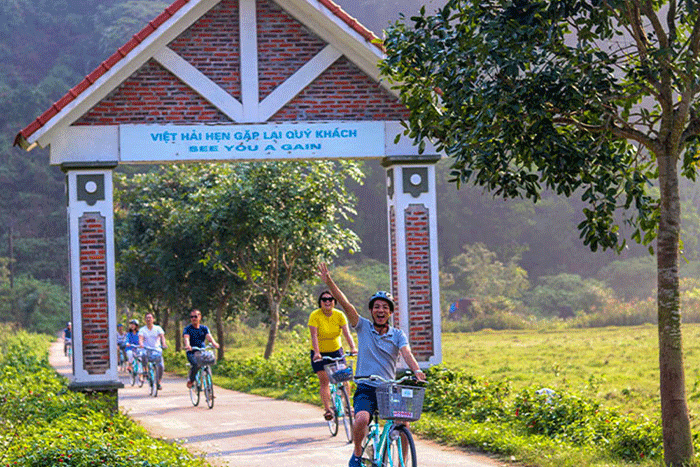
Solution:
(206, 347)
(337, 359)
(410, 377)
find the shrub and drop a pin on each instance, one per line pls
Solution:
(43, 423)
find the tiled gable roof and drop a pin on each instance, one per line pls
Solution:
(138, 38)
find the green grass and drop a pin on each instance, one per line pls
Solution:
(618, 366)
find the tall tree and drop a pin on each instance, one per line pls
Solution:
(270, 223)
(589, 98)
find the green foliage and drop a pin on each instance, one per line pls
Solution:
(288, 371)
(496, 286)
(632, 279)
(43, 423)
(36, 305)
(567, 294)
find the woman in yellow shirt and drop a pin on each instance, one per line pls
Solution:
(325, 325)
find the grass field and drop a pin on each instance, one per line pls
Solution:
(618, 366)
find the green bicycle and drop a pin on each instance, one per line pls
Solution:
(392, 445)
(136, 369)
(202, 383)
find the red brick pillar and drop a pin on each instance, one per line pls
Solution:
(413, 255)
(93, 290)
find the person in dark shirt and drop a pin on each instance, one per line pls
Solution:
(67, 337)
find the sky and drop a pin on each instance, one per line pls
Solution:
(378, 14)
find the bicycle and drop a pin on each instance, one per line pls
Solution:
(204, 358)
(136, 372)
(68, 348)
(153, 375)
(392, 446)
(338, 374)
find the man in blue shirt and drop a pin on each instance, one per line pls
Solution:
(379, 346)
(195, 335)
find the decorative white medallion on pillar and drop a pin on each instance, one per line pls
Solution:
(93, 289)
(413, 253)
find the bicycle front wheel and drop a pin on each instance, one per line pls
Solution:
(333, 422)
(133, 373)
(138, 370)
(194, 390)
(208, 387)
(153, 380)
(347, 413)
(401, 451)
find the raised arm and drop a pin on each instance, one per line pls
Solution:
(340, 297)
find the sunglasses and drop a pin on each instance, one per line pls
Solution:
(327, 299)
(193, 316)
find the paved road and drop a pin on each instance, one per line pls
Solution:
(252, 431)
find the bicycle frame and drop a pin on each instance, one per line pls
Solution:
(391, 445)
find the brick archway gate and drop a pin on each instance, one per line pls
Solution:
(222, 80)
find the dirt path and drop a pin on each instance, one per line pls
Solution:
(251, 431)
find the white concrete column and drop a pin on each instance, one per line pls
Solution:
(413, 253)
(92, 282)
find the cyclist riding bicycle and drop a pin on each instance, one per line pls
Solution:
(67, 337)
(151, 335)
(195, 334)
(326, 324)
(379, 346)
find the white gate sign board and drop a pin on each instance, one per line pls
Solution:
(155, 143)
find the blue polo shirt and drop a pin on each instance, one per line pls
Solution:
(377, 353)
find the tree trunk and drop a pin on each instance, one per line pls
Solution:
(219, 319)
(178, 335)
(678, 446)
(274, 325)
(165, 320)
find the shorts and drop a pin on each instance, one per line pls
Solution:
(318, 366)
(365, 399)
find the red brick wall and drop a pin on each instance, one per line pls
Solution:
(419, 281)
(93, 293)
(284, 46)
(212, 46)
(154, 95)
(342, 92)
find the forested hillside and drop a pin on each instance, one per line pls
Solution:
(46, 47)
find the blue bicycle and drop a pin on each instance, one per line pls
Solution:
(392, 445)
(205, 359)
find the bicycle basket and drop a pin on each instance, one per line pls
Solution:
(338, 372)
(204, 358)
(396, 402)
(154, 355)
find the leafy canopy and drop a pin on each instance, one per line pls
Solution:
(533, 95)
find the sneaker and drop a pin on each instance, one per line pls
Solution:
(160, 387)
(355, 461)
(190, 384)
